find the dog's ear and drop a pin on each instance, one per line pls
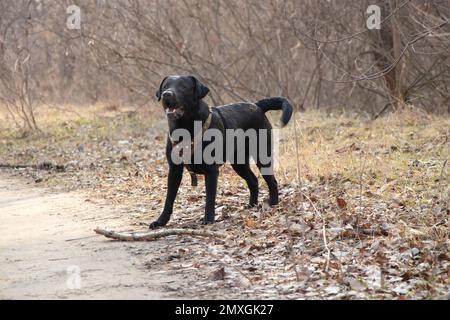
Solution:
(158, 92)
(199, 88)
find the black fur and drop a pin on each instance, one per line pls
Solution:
(182, 100)
(277, 103)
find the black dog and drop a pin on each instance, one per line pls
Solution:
(182, 101)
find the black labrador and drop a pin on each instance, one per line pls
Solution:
(182, 101)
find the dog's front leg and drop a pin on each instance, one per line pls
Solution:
(211, 178)
(173, 183)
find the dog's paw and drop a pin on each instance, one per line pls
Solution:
(273, 202)
(251, 205)
(207, 221)
(155, 224)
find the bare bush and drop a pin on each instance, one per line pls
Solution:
(319, 53)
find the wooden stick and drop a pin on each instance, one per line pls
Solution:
(153, 235)
(16, 166)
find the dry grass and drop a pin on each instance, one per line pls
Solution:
(400, 160)
(69, 127)
(405, 152)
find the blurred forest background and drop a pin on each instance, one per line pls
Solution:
(318, 53)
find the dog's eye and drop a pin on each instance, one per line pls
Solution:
(183, 86)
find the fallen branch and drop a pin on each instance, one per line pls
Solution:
(16, 166)
(153, 235)
(352, 233)
(45, 165)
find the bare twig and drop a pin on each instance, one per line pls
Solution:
(324, 234)
(441, 181)
(297, 155)
(290, 248)
(351, 36)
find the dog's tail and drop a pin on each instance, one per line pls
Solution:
(277, 103)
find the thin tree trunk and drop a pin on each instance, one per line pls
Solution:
(396, 44)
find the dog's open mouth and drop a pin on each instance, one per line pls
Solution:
(170, 110)
(174, 112)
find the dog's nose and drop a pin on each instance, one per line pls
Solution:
(167, 94)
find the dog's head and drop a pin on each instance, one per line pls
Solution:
(180, 95)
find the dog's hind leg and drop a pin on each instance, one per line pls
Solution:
(244, 171)
(273, 186)
(267, 169)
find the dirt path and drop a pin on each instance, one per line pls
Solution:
(47, 241)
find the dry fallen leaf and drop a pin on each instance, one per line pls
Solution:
(356, 284)
(250, 223)
(341, 203)
(218, 274)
